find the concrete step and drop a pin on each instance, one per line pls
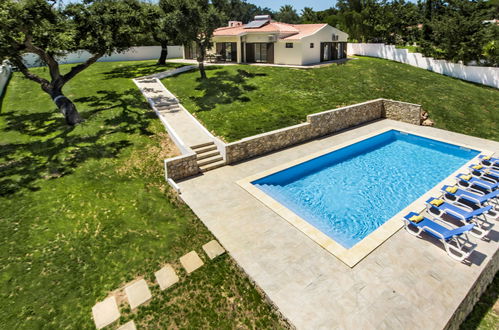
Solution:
(207, 154)
(212, 166)
(167, 109)
(202, 150)
(201, 145)
(210, 160)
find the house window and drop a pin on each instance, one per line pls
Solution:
(289, 45)
(311, 45)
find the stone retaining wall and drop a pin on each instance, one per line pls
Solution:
(481, 284)
(267, 142)
(331, 121)
(402, 111)
(180, 167)
(321, 124)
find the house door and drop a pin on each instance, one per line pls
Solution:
(227, 51)
(326, 51)
(270, 52)
(259, 52)
(334, 51)
(343, 50)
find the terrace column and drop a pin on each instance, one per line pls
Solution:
(239, 50)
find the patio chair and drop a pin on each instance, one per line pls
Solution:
(438, 209)
(456, 241)
(454, 194)
(468, 182)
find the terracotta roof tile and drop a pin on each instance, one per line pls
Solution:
(294, 31)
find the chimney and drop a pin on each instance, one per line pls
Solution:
(235, 23)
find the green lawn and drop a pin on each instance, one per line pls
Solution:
(240, 101)
(85, 210)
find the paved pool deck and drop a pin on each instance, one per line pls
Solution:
(406, 282)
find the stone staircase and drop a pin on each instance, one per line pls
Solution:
(208, 157)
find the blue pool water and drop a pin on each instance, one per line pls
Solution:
(350, 192)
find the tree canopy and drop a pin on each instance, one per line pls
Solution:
(50, 30)
(195, 21)
(287, 14)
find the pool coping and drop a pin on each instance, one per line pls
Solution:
(362, 249)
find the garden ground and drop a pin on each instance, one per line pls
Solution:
(238, 101)
(85, 210)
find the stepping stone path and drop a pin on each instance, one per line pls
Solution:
(105, 312)
(128, 326)
(166, 277)
(191, 261)
(213, 249)
(138, 293)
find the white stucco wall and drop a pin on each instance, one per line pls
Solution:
(312, 55)
(133, 54)
(483, 75)
(289, 56)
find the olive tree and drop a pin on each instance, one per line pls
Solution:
(195, 21)
(159, 28)
(51, 30)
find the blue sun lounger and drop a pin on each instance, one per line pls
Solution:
(456, 241)
(484, 173)
(469, 182)
(477, 216)
(489, 161)
(478, 199)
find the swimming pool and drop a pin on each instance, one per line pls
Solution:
(350, 192)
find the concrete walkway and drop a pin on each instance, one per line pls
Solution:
(181, 125)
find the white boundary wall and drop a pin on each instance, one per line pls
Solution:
(479, 74)
(133, 54)
(5, 72)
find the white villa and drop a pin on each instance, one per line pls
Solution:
(266, 41)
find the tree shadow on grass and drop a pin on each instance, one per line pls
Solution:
(224, 88)
(54, 150)
(138, 70)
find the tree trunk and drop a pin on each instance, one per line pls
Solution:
(201, 56)
(164, 53)
(201, 69)
(66, 107)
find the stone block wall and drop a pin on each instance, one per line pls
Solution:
(180, 167)
(402, 111)
(318, 124)
(335, 120)
(481, 284)
(267, 142)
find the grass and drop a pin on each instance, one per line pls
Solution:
(85, 210)
(240, 101)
